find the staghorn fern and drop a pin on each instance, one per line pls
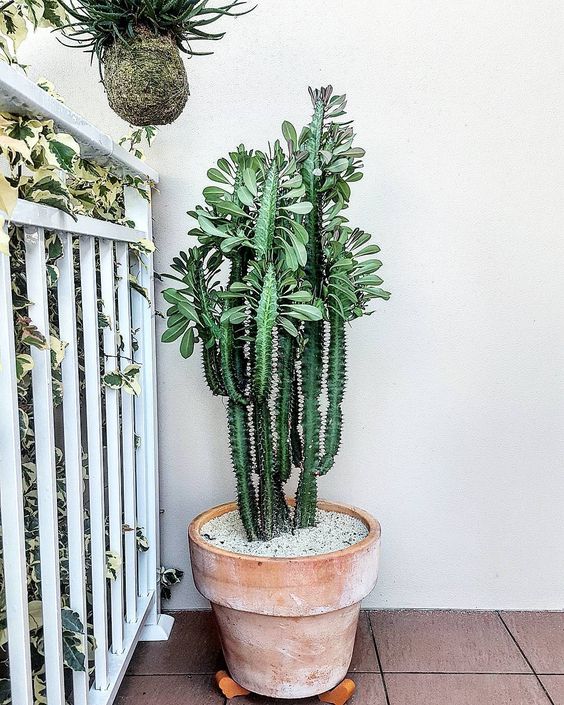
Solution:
(274, 335)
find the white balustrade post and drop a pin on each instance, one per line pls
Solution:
(113, 441)
(89, 296)
(11, 502)
(44, 432)
(127, 435)
(157, 626)
(73, 454)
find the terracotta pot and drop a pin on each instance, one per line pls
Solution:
(287, 625)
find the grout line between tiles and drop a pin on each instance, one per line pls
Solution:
(550, 700)
(462, 673)
(384, 685)
(174, 673)
(551, 674)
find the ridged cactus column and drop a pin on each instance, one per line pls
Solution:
(312, 358)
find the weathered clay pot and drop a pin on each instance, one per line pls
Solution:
(287, 625)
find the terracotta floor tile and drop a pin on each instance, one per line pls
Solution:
(541, 636)
(464, 689)
(441, 641)
(369, 691)
(193, 647)
(555, 688)
(169, 690)
(364, 658)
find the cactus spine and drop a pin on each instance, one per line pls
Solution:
(274, 335)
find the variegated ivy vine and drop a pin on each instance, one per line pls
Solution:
(40, 164)
(18, 17)
(45, 166)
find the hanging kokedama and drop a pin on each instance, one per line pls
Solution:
(138, 45)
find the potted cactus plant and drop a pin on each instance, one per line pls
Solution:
(285, 575)
(138, 45)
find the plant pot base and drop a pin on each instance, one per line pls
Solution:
(295, 657)
(229, 687)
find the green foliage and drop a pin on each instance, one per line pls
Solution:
(96, 25)
(17, 17)
(34, 150)
(268, 291)
(167, 578)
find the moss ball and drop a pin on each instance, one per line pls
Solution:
(145, 80)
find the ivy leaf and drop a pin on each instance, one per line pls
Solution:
(35, 613)
(73, 656)
(142, 245)
(65, 149)
(55, 247)
(113, 380)
(5, 692)
(54, 14)
(57, 387)
(8, 195)
(141, 540)
(4, 241)
(134, 284)
(113, 564)
(24, 363)
(130, 376)
(71, 620)
(31, 335)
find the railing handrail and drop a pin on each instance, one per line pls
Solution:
(21, 96)
(53, 219)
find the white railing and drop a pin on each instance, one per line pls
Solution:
(121, 492)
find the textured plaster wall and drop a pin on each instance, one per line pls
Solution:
(454, 434)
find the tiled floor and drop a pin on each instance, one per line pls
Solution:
(403, 657)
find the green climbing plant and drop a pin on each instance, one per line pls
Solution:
(277, 275)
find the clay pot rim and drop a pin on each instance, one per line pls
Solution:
(372, 524)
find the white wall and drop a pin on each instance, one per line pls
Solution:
(454, 434)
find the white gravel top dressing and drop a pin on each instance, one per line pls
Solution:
(333, 532)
